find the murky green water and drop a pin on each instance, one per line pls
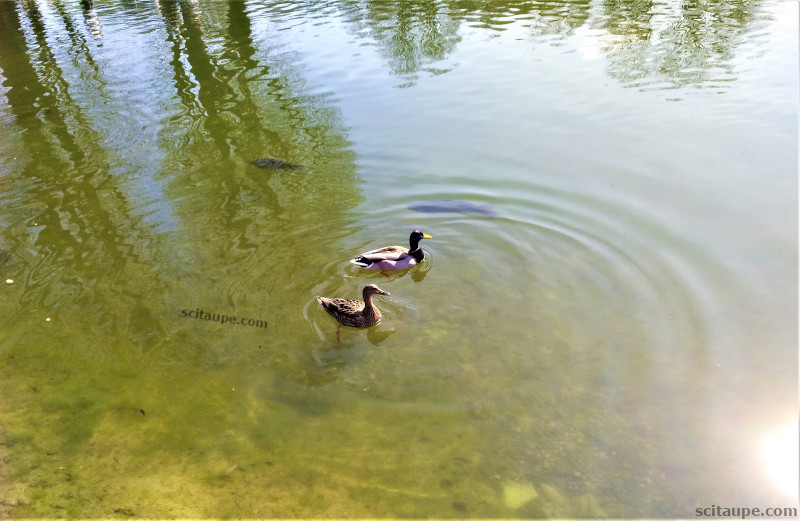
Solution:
(615, 336)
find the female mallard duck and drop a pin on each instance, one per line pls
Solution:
(351, 312)
(393, 257)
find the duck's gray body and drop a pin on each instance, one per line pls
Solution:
(453, 206)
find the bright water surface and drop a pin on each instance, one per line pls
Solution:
(618, 339)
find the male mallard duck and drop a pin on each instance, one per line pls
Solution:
(393, 257)
(351, 312)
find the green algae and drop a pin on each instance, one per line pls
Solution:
(516, 495)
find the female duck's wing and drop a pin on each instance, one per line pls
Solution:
(341, 305)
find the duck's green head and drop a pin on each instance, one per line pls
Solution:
(417, 236)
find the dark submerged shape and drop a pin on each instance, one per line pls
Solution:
(275, 164)
(453, 206)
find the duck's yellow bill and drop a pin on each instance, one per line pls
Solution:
(426, 236)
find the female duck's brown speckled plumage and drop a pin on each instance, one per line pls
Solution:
(354, 313)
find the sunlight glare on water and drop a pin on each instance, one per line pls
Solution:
(780, 452)
(604, 322)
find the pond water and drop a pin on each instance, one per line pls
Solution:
(605, 323)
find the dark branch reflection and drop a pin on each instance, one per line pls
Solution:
(81, 224)
(77, 215)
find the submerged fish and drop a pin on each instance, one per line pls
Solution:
(453, 206)
(275, 164)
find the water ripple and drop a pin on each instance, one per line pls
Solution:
(580, 246)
